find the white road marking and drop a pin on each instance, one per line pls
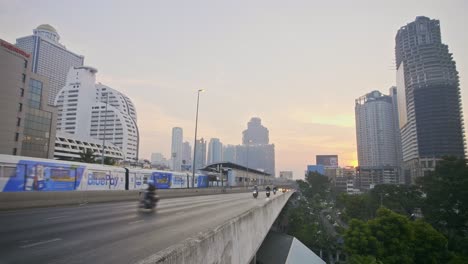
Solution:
(56, 217)
(41, 243)
(134, 222)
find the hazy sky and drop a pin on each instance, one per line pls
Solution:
(298, 65)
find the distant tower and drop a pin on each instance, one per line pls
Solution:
(255, 133)
(429, 101)
(176, 148)
(49, 58)
(375, 130)
(200, 161)
(215, 151)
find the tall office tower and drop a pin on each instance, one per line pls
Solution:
(258, 157)
(229, 153)
(255, 132)
(187, 154)
(376, 135)
(28, 123)
(94, 110)
(429, 102)
(49, 57)
(176, 148)
(255, 152)
(200, 159)
(215, 151)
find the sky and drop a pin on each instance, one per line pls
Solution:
(298, 65)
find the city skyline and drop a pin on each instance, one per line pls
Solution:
(308, 110)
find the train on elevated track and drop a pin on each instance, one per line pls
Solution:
(19, 174)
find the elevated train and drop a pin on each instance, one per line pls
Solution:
(19, 174)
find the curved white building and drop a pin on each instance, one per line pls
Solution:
(98, 111)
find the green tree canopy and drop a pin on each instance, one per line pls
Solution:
(446, 203)
(87, 156)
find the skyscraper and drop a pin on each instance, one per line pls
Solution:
(255, 133)
(377, 137)
(229, 153)
(187, 154)
(375, 130)
(215, 151)
(176, 148)
(429, 101)
(50, 58)
(88, 109)
(200, 160)
(255, 152)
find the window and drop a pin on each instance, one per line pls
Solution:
(25, 63)
(16, 137)
(23, 78)
(14, 151)
(20, 107)
(18, 122)
(21, 92)
(35, 93)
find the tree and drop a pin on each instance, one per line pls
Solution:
(87, 156)
(318, 184)
(393, 238)
(109, 161)
(446, 203)
(359, 239)
(358, 259)
(394, 234)
(429, 246)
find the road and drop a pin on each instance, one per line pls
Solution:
(112, 232)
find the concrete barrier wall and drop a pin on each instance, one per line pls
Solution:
(236, 241)
(21, 200)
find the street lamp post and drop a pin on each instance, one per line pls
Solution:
(195, 140)
(105, 125)
(248, 178)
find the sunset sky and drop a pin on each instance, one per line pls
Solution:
(298, 65)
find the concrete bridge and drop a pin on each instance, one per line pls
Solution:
(226, 227)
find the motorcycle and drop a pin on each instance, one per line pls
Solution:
(148, 201)
(255, 193)
(274, 191)
(268, 194)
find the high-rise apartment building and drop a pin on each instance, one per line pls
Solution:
(28, 123)
(377, 136)
(215, 151)
(176, 148)
(255, 133)
(429, 101)
(229, 153)
(200, 158)
(50, 58)
(94, 110)
(375, 130)
(187, 154)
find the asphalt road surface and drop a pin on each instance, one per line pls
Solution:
(112, 232)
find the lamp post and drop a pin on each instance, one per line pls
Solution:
(248, 176)
(195, 140)
(105, 125)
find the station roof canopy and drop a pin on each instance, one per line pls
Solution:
(230, 165)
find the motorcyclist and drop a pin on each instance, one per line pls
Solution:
(255, 188)
(268, 189)
(275, 189)
(151, 192)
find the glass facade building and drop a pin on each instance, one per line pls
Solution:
(430, 116)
